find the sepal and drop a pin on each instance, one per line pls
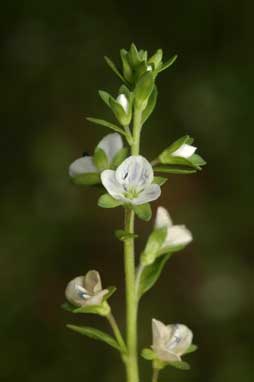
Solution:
(143, 211)
(153, 246)
(107, 201)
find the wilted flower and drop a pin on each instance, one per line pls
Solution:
(85, 290)
(170, 342)
(177, 235)
(132, 181)
(184, 151)
(111, 144)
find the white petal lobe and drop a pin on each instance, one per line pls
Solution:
(111, 144)
(82, 166)
(184, 151)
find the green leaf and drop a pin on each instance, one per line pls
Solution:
(120, 156)
(95, 334)
(87, 179)
(114, 68)
(124, 235)
(105, 96)
(102, 310)
(197, 160)
(168, 63)
(144, 89)
(148, 354)
(143, 211)
(160, 180)
(107, 201)
(111, 291)
(151, 273)
(119, 112)
(154, 243)
(150, 105)
(156, 58)
(180, 365)
(100, 159)
(106, 124)
(191, 349)
(133, 56)
(175, 169)
(127, 71)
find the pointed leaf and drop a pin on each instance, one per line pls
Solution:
(119, 157)
(150, 105)
(175, 169)
(107, 201)
(160, 180)
(168, 63)
(106, 124)
(143, 211)
(111, 291)
(114, 68)
(95, 334)
(191, 349)
(148, 354)
(100, 159)
(105, 96)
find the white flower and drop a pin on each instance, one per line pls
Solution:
(110, 144)
(176, 234)
(132, 181)
(184, 151)
(85, 290)
(170, 342)
(123, 101)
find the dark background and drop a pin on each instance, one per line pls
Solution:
(51, 68)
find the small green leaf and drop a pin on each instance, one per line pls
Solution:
(107, 201)
(106, 124)
(150, 105)
(151, 273)
(87, 179)
(95, 334)
(111, 291)
(144, 89)
(127, 71)
(154, 243)
(148, 354)
(175, 169)
(114, 68)
(160, 180)
(120, 156)
(156, 58)
(180, 365)
(124, 235)
(105, 96)
(191, 349)
(102, 310)
(133, 56)
(100, 159)
(168, 63)
(197, 160)
(143, 211)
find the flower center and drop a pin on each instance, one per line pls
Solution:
(131, 193)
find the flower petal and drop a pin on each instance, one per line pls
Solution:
(166, 356)
(123, 101)
(184, 151)
(92, 282)
(161, 333)
(181, 339)
(97, 298)
(109, 181)
(178, 235)
(75, 292)
(81, 166)
(134, 172)
(150, 193)
(111, 144)
(163, 218)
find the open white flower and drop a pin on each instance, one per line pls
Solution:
(177, 235)
(85, 290)
(110, 144)
(132, 181)
(170, 342)
(184, 151)
(123, 101)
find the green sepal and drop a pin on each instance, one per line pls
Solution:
(110, 125)
(111, 290)
(186, 139)
(120, 156)
(114, 68)
(105, 96)
(143, 211)
(156, 58)
(127, 70)
(143, 90)
(148, 354)
(154, 243)
(124, 235)
(68, 307)
(197, 160)
(151, 273)
(175, 169)
(160, 180)
(95, 334)
(191, 349)
(181, 365)
(102, 310)
(107, 201)
(100, 159)
(133, 56)
(168, 63)
(150, 105)
(87, 179)
(171, 249)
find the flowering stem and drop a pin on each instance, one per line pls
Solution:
(137, 125)
(155, 375)
(116, 331)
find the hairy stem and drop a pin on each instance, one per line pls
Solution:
(117, 333)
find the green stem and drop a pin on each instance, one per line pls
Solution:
(155, 375)
(117, 333)
(131, 302)
(137, 126)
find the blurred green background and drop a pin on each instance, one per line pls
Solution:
(51, 68)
